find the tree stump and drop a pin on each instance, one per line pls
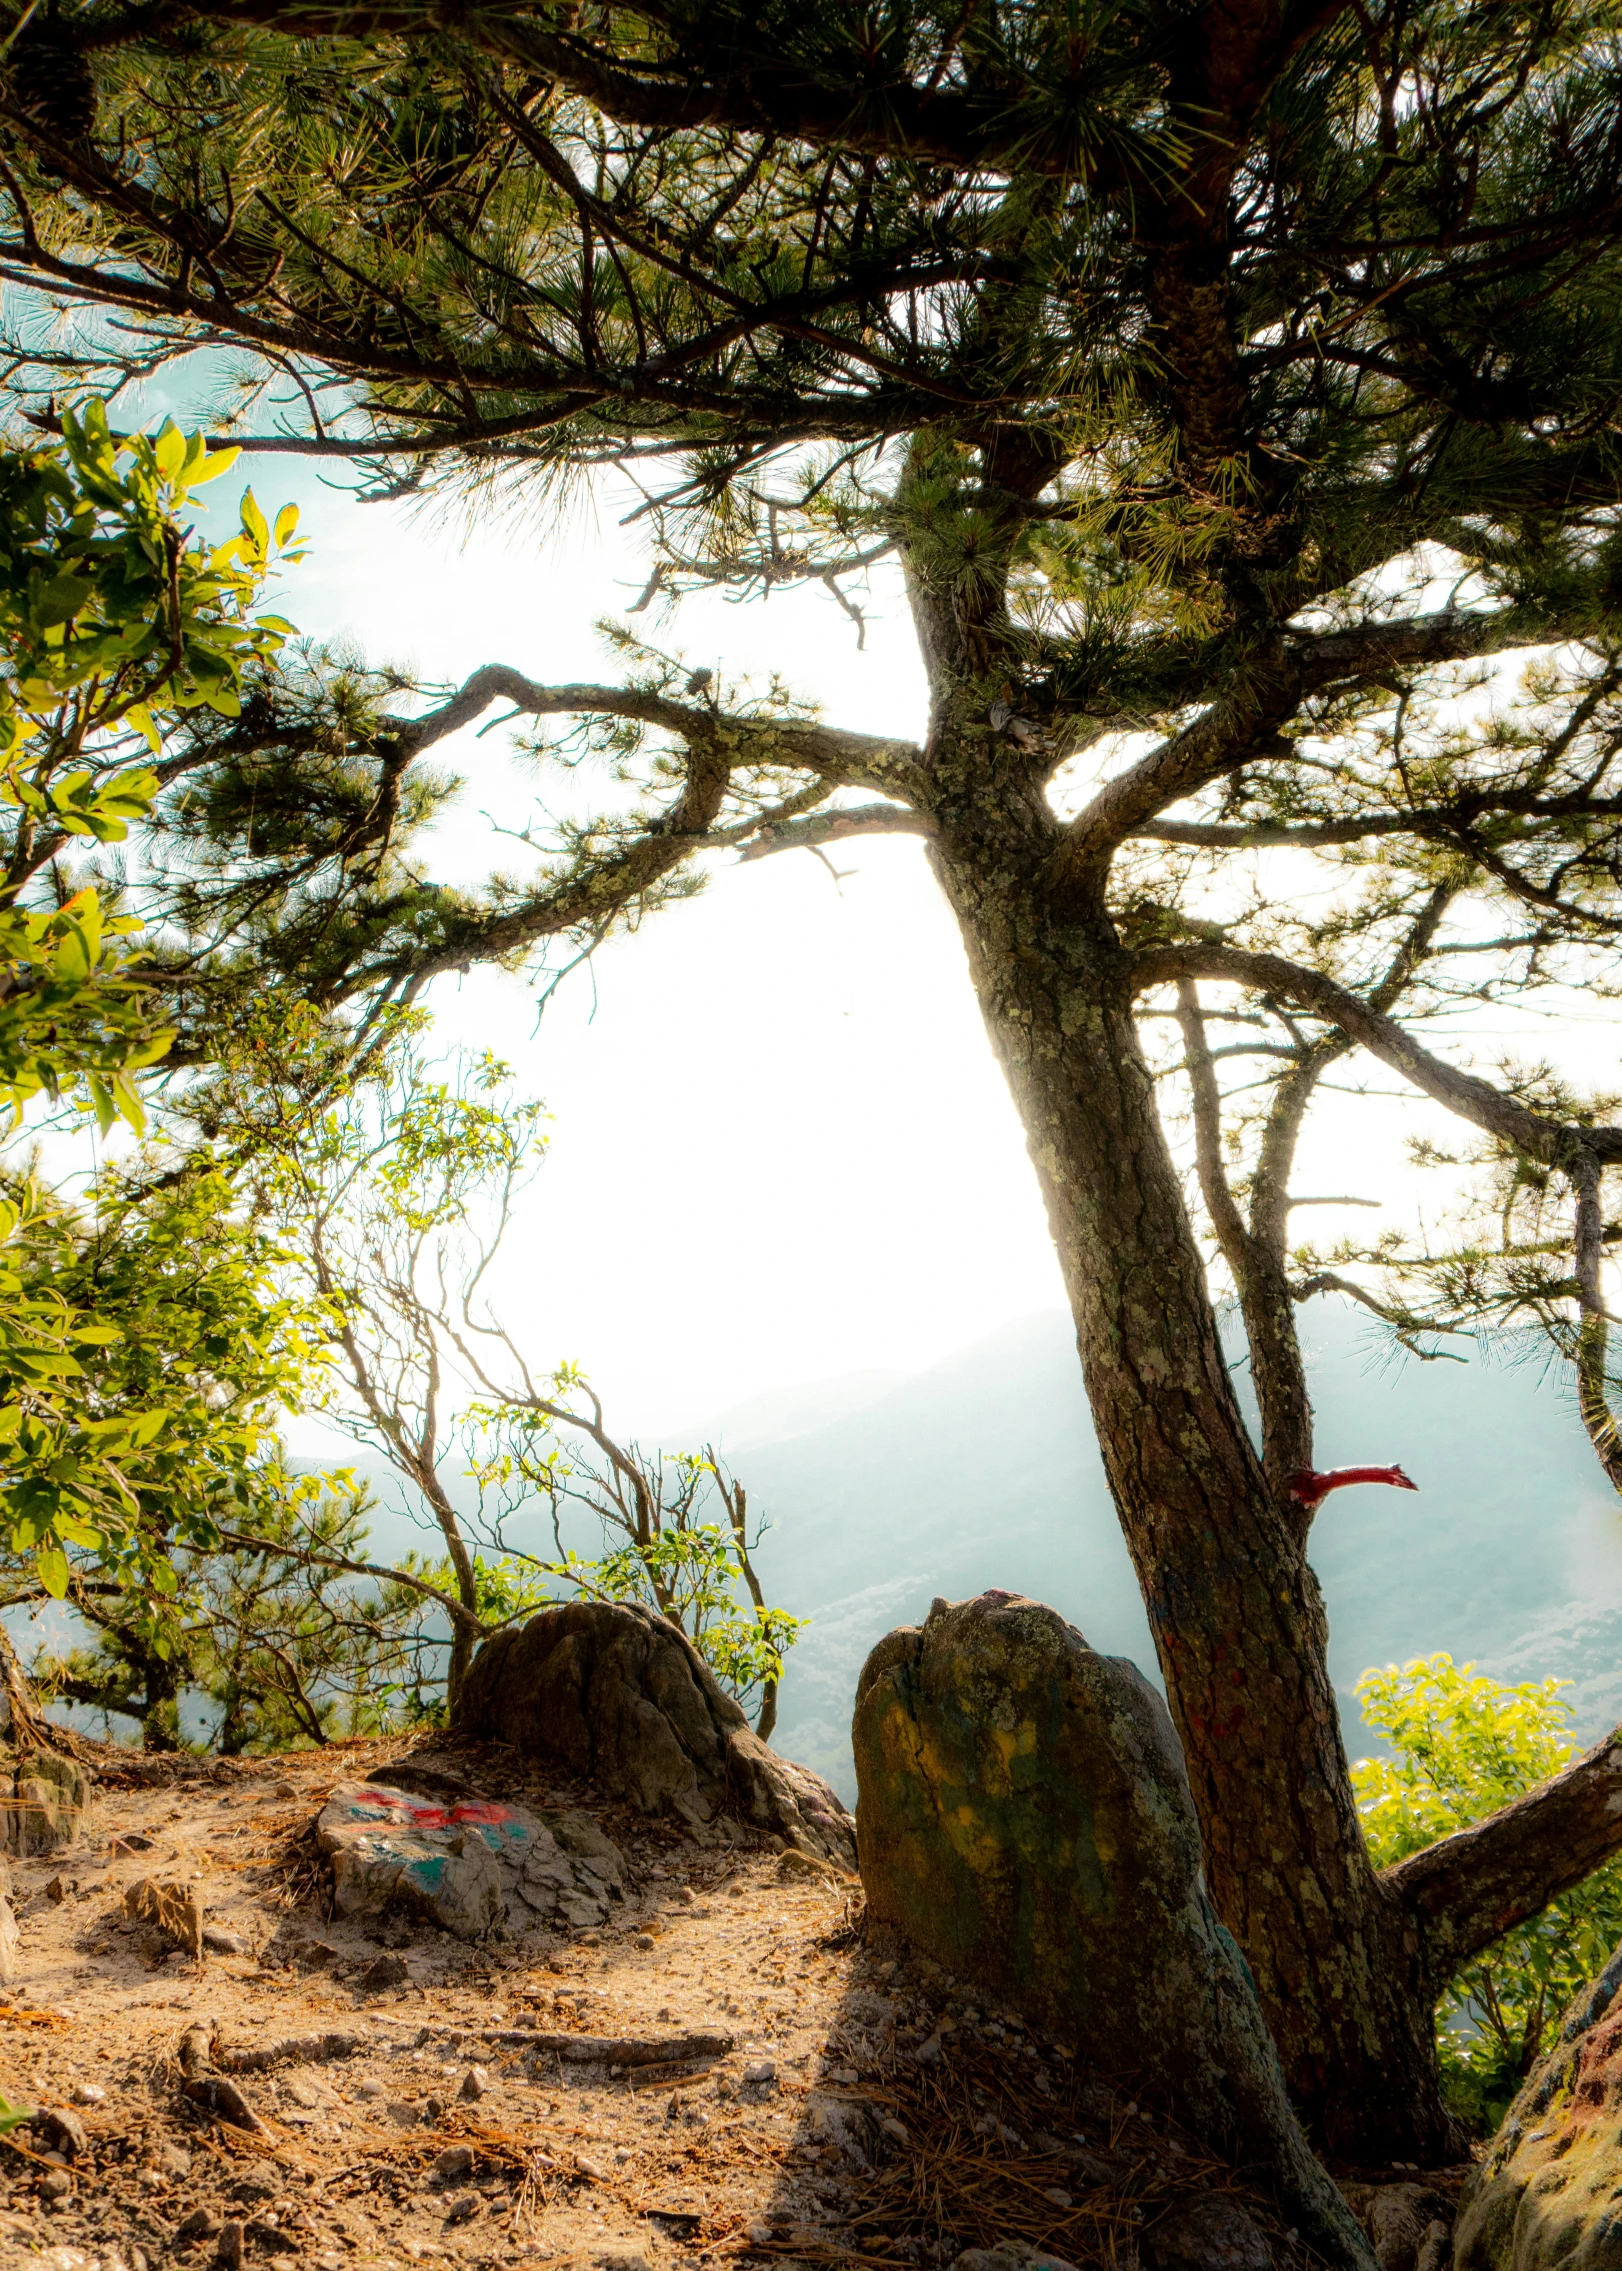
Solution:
(618, 1695)
(1024, 1818)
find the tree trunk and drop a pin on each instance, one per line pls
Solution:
(1238, 1621)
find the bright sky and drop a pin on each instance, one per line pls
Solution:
(781, 1148)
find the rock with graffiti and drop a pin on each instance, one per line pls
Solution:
(472, 1866)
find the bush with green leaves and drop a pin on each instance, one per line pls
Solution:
(115, 622)
(1463, 1745)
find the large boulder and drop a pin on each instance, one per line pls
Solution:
(472, 1866)
(620, 1696)
(1025, 1819)
(1550, 2190)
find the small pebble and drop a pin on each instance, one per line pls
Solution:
(369, 2090)
(56, 2185)
(645, 1940)
(475, 2083)
(454, 2162)
(228, 2248)
(1060, 2199)
(434, 2108)
(88, 2093)
(464, 2208)
(758, 2072)
(197, 2223)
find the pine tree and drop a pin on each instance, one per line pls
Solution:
(1237, 388)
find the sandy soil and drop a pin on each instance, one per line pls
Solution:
(888, 2120)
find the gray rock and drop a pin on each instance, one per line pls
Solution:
(1436, 2248)
(475, 2083)
(1026, 1821)
(1548, 2192)
(386, 1971)
(1399, 2216)
(468, 1865)
(454, 2163)
(849, 2128)
(59, 2129)
(1010, 2255)
(618, 1695)
(1210, 2234)
(223, 1943)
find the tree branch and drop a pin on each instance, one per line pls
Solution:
(818, 828)
(1463, 1093)
(858, 760)
(1239, 730)
(1469, 1889)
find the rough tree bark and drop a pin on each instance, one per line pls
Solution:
(1347, 1961)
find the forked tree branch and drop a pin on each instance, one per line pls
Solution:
(1471, 1098)
(858, 760)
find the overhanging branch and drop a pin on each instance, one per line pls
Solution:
(1468, 1890)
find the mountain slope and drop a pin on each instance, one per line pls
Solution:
(984, 1471)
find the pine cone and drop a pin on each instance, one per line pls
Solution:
(52, 81)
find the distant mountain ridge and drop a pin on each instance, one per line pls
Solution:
(984, 1471)
(882, 1492)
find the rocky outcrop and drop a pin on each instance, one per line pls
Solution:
(1026, 1820)
(471, 1866)
(613, 1693)
(1550, 2190)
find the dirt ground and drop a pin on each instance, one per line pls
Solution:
(864, 2113)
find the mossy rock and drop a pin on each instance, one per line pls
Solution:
(1024, 1817)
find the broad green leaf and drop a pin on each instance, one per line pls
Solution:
(217, 461)
(170, 451)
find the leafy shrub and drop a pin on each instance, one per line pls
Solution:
(1464, 1746)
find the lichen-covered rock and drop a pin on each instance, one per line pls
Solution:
(471, 1866)
(1550, 2190)
(44, 1800)
(1025, 1819)
(620, 1696)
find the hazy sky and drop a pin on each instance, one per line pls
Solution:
(781, 1149)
